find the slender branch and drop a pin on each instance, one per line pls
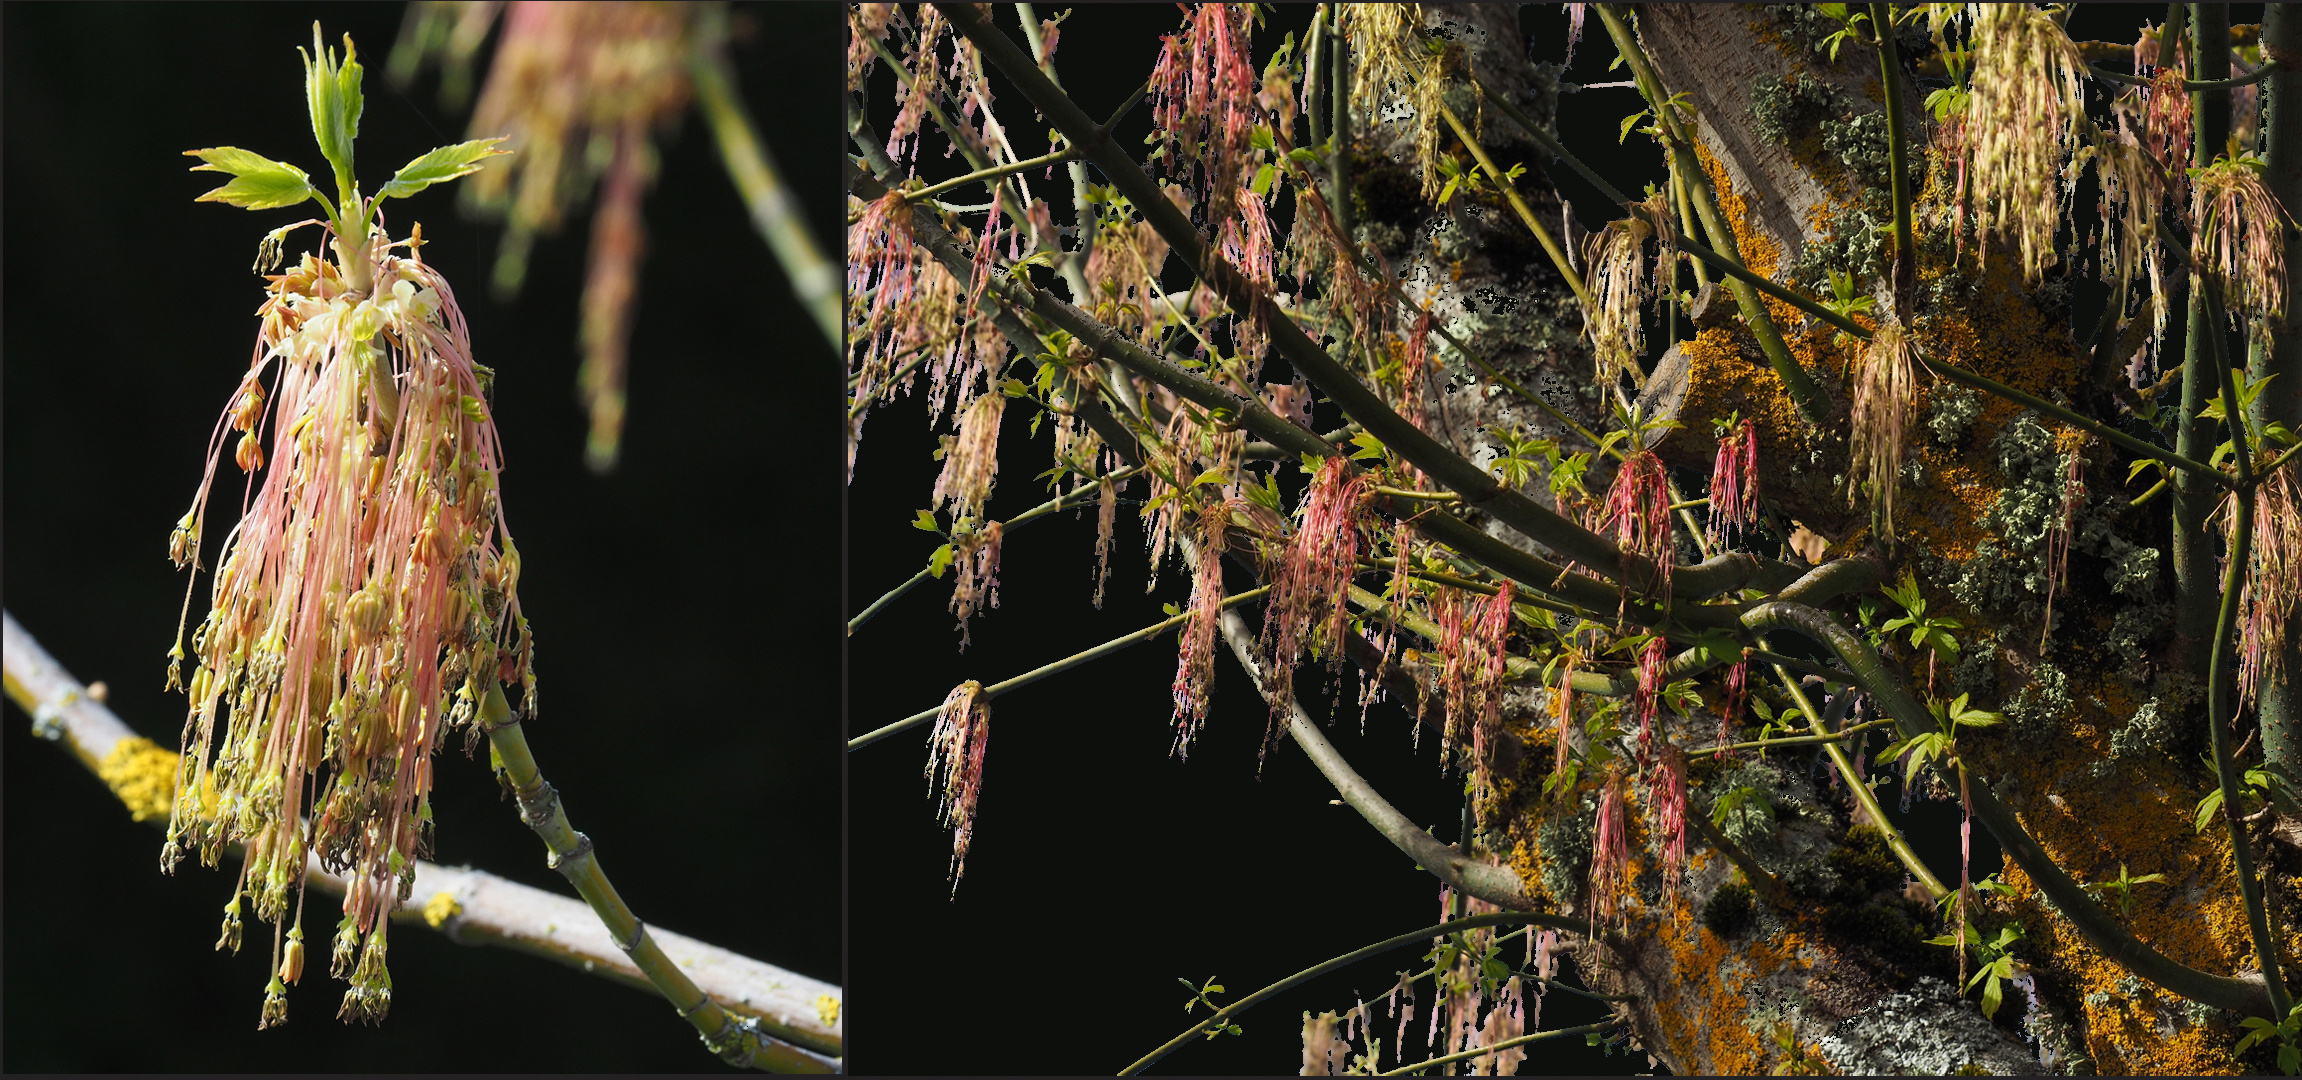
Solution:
(2095, 427)
(2093, 922)
(2219, 685)
(1232, 1010)
(1506, 1044)
(1062, 502)
(2192, 85)
(1841, 735)
(774, 212)
(480, 908)
(1905, 242)
(1058, 667)
(740, 1041)
(1526, 216)
(992, 173)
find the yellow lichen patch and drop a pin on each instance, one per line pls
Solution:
(143, 775)
(1710, 1006)
(827, 1009)
(2197, 918)
(440, 908)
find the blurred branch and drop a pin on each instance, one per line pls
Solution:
(773, 211)
(471, 907)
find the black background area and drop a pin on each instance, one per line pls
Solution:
(685, 608)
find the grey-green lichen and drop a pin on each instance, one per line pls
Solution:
(1952, 415)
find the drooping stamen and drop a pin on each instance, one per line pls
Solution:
(955, 753)
(1885, 409)
(1194, 686)
(1734, 484)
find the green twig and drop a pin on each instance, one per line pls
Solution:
(1842, 735)
(774, 212)
(737, 1040)
(1058, 667)
(987, 175)
(2192, 85)
(1506, 1044)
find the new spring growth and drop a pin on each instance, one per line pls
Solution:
(2241, 238)
(955, 766)
(1621, 285)
(1638, 515)
(368, 595)
(2025, 119)
(2273, 579)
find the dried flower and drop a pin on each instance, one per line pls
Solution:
(1734, 483)
(955, 766)
(975, 585)
(2273, 580)
(867, 23)
(1194, 685)
(1621, 288)
(1388, 56)
(1325, 1049)
(2026, 118)
(1106, 516)
(2133, 186)
(1885, 408)
(971, 460)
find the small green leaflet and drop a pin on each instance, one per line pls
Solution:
(334, 95)
(439, 166)
(939, 562)
(476, 409)
(925, 522)
(258, 182)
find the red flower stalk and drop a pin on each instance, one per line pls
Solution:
(955, 752)
(1667, 798)
(1638, 512)
(926, 85)
(975, 586)
(1734, 484)
(1246, 242)
(1490, 652)
(1194, 685)
(1646, 699)
(1307, 609)
(1563, 713)
(1610, 853)
(1737, 690)
(1203, 93)
(2166, 128)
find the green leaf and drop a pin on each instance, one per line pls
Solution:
(439, 166)
(1369, 446)
(258, 182)
(2207, 808)
(925, 522)
(1260, 137)
(333, 93)
(1992, 996)
(1263, 177)
(1628, 123)
(939, 562)
(476, 409)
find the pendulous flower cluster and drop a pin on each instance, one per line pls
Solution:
(364, 603)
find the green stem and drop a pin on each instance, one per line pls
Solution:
(2219, 691)
(1227, 1012)
(2192, 85)
(2197, 585)
(774, 212)
(1339, 100)
(2100, 929)
(1841, 735)
(738, 1041)
(2120, 439)
(1058, 667)
(990, 174)
(1526, 216)
(2279, 701)
(1506, 1044)
(1813, 406)
(1905, 246)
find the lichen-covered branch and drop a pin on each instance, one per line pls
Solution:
(471, 907)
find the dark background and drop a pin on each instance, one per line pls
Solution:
(686, 608)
